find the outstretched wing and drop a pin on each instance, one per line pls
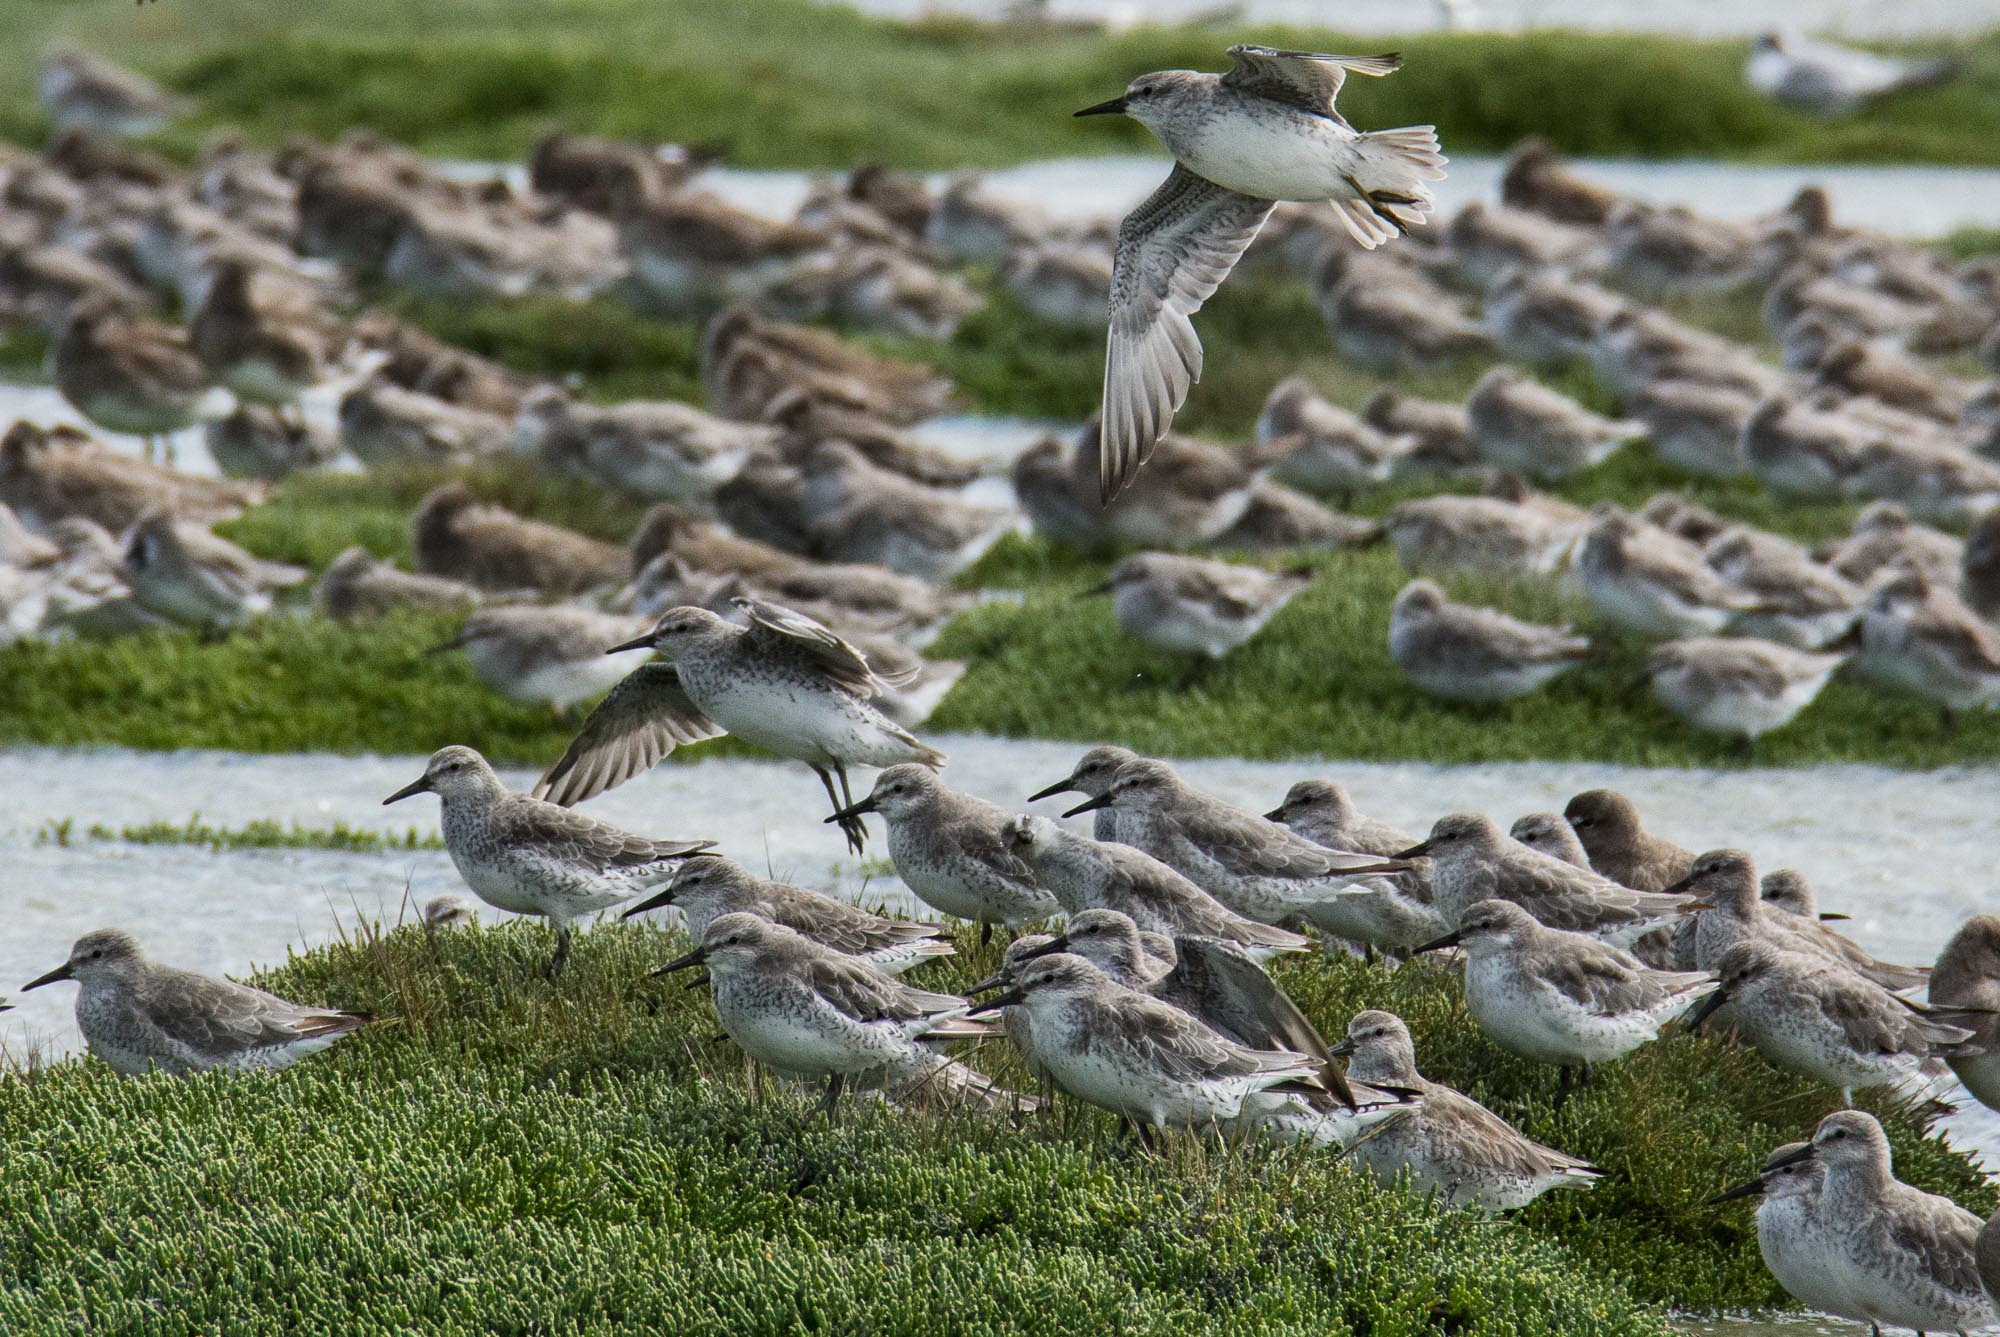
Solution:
(1305, 79)
(840, 661)
(1173, 253)
(644, 718)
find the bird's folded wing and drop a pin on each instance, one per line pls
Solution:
(978, 838)
(1935, 1238)
(1173, 252)
(831, 923)
(580, 838)
(860, 991)
(644, 718)
(1867, 1015)
(1486, 1139)
(1168, 1039)
(1598, 978)
(776, 625)
(220, 1017)
(1249, 846)
(1305, 79)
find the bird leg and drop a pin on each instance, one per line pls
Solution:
(833, 1088)
(853, 827)
(1562, 1086)
(562, 951)
(985, 932)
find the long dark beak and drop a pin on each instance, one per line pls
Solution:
(1750, 1189)
(654, 902)
(853, 810)
(998, 1001)
(452, 644)
(1804, 1153)
(1416, 851)
(1115, 107)
(1062, 786)
(1094, 590)
(990, 982)
(56, 976)
(636, 643)
(1275, 815)
(1679, 888)
(1370, 869)
(693, 958)
(1342, 1048)
(1827, 917)
(420, 785)
(1059, 943)
(1439, 944)
(1707, 1009)
(1090, 805)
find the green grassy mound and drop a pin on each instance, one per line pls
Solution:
(512, 1156)
(794, 83)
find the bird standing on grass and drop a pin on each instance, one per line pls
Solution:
(1266, 131)
(522, 855)
(138, 1015)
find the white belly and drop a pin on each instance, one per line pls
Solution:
(1274, 160)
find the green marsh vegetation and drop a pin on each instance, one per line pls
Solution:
(585, 1155)
(812, 85)
(263, 834)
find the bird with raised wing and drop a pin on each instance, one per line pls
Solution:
(1213, 982)
(1143, 1059)
(784, 682)
(1242, 141)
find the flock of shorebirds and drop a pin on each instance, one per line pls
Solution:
(803, 541)
(800, 483)
(1135, 980)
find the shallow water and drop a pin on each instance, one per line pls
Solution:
(1903, 201)
(1680, 17)
(1907, 854)
(45, 406)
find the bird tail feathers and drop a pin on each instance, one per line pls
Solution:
(1389, 181)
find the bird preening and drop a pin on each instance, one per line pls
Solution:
(1265, 131)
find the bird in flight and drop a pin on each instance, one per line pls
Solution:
(1242, 141)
